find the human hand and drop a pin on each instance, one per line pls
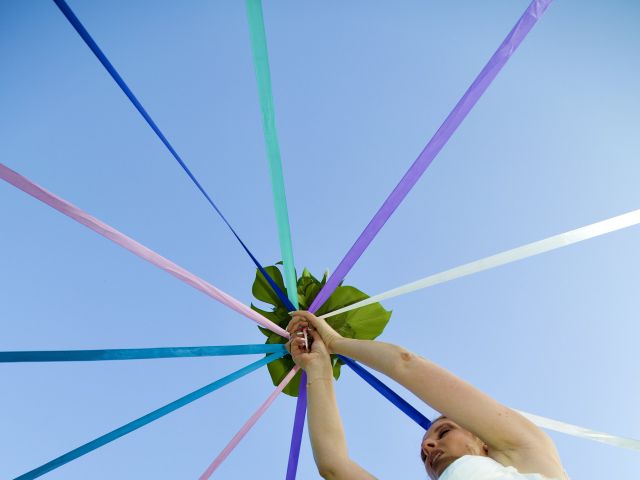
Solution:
(328, 334)
(310, 354)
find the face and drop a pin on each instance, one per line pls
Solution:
(445, 442)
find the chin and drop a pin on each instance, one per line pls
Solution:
(442, 464)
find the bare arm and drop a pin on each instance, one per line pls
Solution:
(327, 436)
(507, 433)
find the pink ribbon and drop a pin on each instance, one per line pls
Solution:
(247, 426)
(134, 247)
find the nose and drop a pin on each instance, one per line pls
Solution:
(428, 445)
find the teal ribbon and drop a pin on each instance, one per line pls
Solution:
(137, 353)
(263, 77)
(146, 419)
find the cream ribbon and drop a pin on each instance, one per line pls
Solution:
(529, 250)
(582, 432)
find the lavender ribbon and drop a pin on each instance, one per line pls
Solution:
(439, 140)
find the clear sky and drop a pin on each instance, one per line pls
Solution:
(359, 89)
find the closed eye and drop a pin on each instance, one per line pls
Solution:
(442, 433)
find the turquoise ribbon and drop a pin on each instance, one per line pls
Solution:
(263, 77)
(146, 419)
(137, 353)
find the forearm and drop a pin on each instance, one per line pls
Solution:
(325, 426)
(387, 358)
(433, 384)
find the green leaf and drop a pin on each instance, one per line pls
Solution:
(307, 274)
(269, 315)
(283, 316)
(336, 363)
(364, 323)
(281, 367)
(325, 276)
(263, 291)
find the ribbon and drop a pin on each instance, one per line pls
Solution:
(526, 22)
(582, 432)
(82, 31)
(248, 425)
(146, 419)
(529, 250)
(298, 429)
(134, 247)
(387, 393)
(138, 353)
(263, 77)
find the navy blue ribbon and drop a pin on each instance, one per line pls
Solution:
(138, 353)
(66, 10)
(387, 393)
(146, 419)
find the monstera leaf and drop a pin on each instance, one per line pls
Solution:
(364, 323)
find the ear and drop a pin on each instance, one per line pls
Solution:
(485, 449)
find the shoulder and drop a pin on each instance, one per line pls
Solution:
(539, 457)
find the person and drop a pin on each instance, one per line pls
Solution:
(476, 438)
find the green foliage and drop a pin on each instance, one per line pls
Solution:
(364, 323)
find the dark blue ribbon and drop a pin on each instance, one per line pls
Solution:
(66, 10)
(387, 393)
(146, 419)
(138, 353)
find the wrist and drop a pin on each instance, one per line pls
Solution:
(319, 368)
(339, 343)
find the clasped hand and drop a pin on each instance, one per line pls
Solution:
(321, 339)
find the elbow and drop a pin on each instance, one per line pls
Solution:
(327, 472)
(334, 469)
(404, 361)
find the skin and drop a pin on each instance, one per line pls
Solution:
(487, 429)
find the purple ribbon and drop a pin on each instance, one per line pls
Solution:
(298, 428)
(439, 140)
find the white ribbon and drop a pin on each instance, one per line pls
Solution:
(557, 241)
(582, 432)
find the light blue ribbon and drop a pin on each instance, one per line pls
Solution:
(137, 353)
(146, 419)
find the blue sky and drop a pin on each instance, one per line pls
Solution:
(359, 89)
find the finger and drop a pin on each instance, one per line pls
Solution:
(314, 334)
(291, 325)
(294, 324)
(298, 346)
(302, 313)
(313, 320)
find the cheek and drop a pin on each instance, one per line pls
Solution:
(456, 443)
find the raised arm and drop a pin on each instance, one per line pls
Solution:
(325, 427)
(510, 436)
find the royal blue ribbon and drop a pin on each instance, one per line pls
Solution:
(146, 419)
(138, 353)
(387, 393)
(75, 22)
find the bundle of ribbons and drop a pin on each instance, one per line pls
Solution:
(273, 352)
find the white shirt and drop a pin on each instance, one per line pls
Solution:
(474, 467)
